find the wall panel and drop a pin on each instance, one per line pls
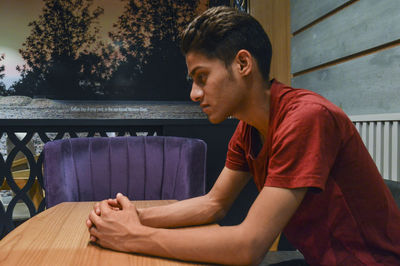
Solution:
(366, 85)
(306, 11)
(351, 56)
(361, 26)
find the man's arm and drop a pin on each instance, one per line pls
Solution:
(246, 243)
(195, 211)
(200, 210)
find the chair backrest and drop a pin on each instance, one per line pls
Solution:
(143, 168)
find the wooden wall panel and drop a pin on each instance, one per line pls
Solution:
(366, 85)
(361, 26)
(274, 16)
(303, 12)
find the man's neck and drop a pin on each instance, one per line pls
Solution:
(257, 110)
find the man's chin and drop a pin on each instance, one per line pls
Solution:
(216, 120)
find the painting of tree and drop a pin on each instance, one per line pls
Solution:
(66, 57)
(62, 47)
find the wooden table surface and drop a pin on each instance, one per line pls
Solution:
(59, 236)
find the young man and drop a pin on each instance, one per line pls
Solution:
(316, 179)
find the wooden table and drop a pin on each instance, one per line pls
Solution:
(59, 236)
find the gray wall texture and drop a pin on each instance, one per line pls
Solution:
(350, 53)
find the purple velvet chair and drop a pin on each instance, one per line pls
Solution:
(143, 168)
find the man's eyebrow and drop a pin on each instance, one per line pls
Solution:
(193, 71)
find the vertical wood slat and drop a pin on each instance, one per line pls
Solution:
(358, 126)
(395, 151)
(379, 135)
(372, 139)
(364, 132)
(386, 150)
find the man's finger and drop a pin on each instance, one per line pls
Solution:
(94, 219)
(105, 207)
(94, 234)
(123, 201)
(114, 203)
(89, 223)
(97, 208)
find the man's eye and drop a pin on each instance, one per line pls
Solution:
(201, 79)
(189, 78)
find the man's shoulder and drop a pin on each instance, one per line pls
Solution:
(242, 131)
(302, 103)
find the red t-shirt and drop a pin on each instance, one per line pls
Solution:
(348, 216)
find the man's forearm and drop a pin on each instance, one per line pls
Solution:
(201, 210)
(213, 244)
(195, 211)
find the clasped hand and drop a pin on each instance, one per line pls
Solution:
(112, 222)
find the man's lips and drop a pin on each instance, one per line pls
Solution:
(204, 107)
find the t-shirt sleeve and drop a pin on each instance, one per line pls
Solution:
(304, 148)
(236, 157)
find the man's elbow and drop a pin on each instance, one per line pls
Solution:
(253, 249)
(255, 255)
(250, 257)
(219, 214)
(217, 209)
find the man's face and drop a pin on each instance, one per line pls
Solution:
(215, 87)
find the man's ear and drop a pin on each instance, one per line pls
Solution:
(244, 62)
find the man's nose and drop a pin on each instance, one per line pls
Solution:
(196, 94)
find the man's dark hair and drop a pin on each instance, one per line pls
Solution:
(220, 32)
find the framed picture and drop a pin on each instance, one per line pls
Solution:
(97, 49)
